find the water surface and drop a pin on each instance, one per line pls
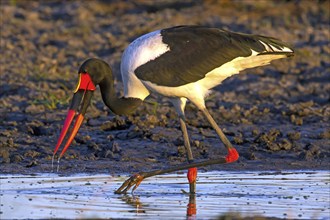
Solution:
(289, 194)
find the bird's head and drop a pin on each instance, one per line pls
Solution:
(91, 73)
(95, 68)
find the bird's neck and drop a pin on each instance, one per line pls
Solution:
(119, 106)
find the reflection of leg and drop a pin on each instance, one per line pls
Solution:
(192, 172)
(232, 153)
(133, 201)
(191, 208)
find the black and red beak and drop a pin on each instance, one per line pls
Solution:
(81, 100)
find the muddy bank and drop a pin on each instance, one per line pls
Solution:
(277, 116)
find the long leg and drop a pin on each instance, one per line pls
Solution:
(135, 180)
(179, 105)
(186, 139)
(192, 172)
(232, 153)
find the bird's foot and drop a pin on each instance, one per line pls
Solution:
(232, 155)
(134, 180)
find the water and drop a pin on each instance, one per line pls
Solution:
(289, 194)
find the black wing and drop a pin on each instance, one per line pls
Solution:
(195, 51)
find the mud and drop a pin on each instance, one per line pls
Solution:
(277, 116)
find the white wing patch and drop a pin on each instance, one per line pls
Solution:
(140, 51)
(143, 49)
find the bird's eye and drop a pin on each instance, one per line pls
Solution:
(84, 71)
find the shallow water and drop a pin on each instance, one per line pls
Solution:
(289, 194)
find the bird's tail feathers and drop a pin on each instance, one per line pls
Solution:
(271, 49)
(275, 47)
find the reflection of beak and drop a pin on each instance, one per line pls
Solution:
(82, 96)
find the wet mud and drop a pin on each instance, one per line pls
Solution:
(276, 116)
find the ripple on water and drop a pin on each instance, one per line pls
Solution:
(289, 194)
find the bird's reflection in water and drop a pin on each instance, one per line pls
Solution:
(135, 202)
(191, 207)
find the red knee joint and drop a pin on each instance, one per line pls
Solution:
(232, 155)
(192, 174)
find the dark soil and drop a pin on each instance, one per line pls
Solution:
(277, 116)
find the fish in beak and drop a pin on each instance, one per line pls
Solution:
(79, 104)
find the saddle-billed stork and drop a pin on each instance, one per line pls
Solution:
(181, 63)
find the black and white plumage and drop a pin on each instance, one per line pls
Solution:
(187, 61)
(182, 63)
